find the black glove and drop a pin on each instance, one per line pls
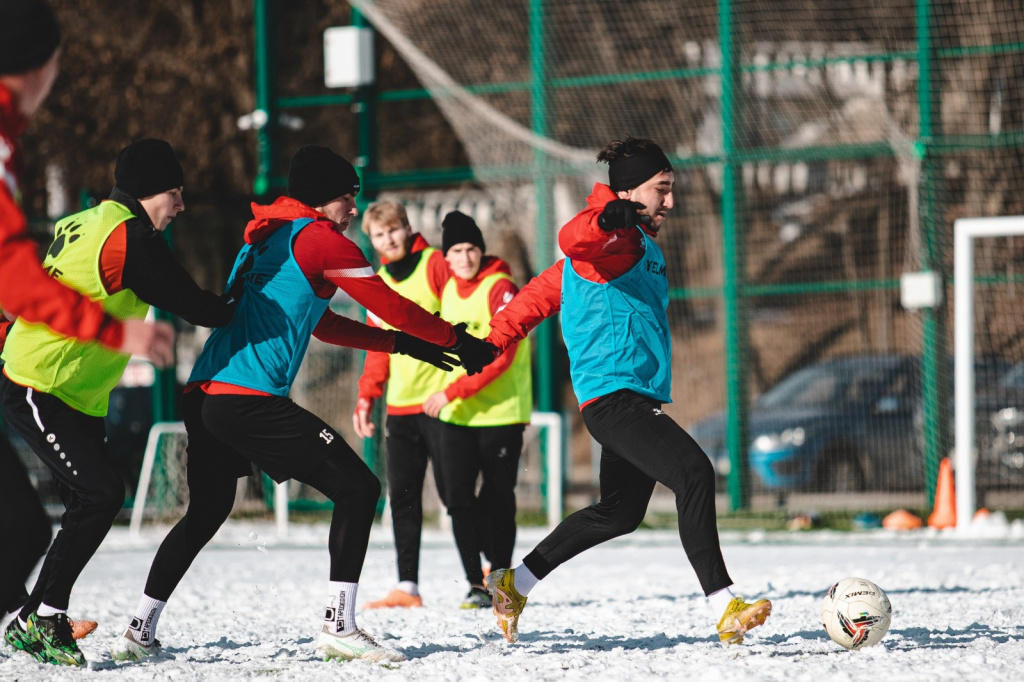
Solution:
(619, 214)
(424, 351)
(474, 353)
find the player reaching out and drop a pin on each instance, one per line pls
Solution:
(236, 408)
(55, 389)
(613, 294)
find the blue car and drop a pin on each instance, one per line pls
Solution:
(844, 424)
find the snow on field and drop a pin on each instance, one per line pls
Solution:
(628, 610)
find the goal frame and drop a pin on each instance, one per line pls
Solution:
(145, 477)
(965, 231)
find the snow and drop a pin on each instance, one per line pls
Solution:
(630, 609)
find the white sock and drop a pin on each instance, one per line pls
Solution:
(409, 587)
(718, 601)
(147, 614)
(525, 580)
(340, 618)
(45, 611)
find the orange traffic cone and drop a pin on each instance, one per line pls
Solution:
(944, 515)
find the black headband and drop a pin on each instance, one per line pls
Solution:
(632, 171)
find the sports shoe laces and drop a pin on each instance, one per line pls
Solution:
(57, 629)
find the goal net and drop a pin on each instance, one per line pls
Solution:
(820, 154)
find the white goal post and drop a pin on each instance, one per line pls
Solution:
(551, 422)
(965, 231)
(146, 475)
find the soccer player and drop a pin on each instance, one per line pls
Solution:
(613, 294)
(54, 389)
(419, 272)
(236, 408)
(483, 416)
(29, 62)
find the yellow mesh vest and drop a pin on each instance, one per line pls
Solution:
(410, 381)
(509, 398)
(80, 374)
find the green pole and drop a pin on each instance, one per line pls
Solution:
(934, 360)
(733, 260)
(546, 399)
(365, 108)
(163, 398)
(264, 12)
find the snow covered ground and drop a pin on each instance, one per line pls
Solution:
(628, 610)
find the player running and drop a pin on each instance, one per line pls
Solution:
(55, 389)
(614, 322)
(236, 408)
(483, 416)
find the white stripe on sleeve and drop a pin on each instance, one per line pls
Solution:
(350, 272)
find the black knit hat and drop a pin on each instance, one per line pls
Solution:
(147, 167)
(459, 228)
(317, 176)
(29, 35)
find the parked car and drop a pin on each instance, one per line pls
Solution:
(1000, 430)
(855, 423)
(843, 424)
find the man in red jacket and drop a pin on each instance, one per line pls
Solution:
(418, 272)
(29, 62)
(615, 326)
(236, 407)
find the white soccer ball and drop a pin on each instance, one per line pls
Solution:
(856, 613)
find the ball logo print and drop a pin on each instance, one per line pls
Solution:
(856, 613)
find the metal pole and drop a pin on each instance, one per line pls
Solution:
(934, 361)
(733, 260)
(163, 403)
(263, 21)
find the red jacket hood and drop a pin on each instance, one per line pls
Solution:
(602, 195)
(266, 219)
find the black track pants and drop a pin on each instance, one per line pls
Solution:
(72, 445)
(228, 433)
(24, 528)
(641, 445)
(490, 520)
(412, 442)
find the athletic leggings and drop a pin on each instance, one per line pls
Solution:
(24, 528)
(490, 518)
(640, 445)
(72, 445)
(412, 442)
(228, 432)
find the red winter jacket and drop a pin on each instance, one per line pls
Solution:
(331, 261)
(25, 288)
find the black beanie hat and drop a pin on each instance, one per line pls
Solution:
(317, 175)
(459, 228)
(147, 167)
(29, 35)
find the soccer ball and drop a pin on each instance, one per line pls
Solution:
(856, 613)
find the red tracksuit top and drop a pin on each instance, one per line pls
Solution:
(596, 255)
(25, 288)
(331, 261)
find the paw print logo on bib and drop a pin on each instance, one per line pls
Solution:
(65, 235)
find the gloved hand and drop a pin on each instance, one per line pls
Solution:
(424, 351)
(474, 353)
(619, 214)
